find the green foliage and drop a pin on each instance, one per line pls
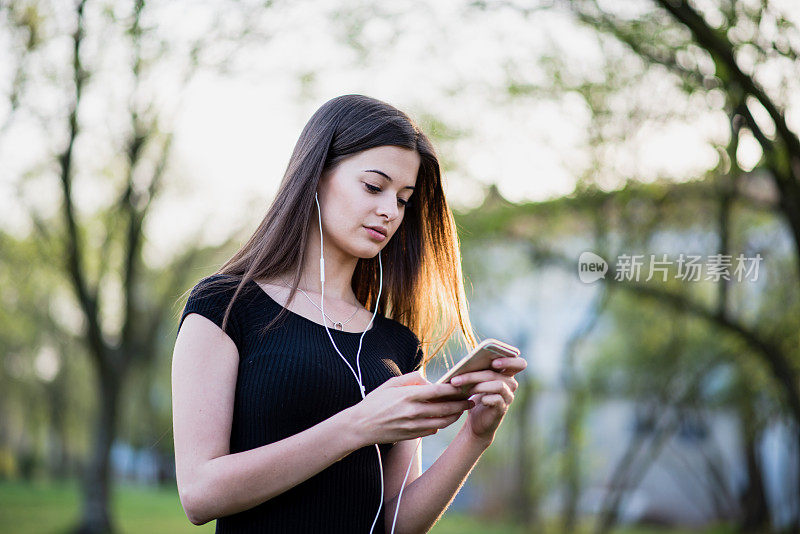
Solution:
(53, 508)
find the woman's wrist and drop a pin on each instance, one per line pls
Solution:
(351, 428)
(470, 437)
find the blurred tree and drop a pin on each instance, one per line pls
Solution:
(736, 58)
(98, 254)
(732, 55)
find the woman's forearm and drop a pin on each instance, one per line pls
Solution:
(424, 501)
(237, 482)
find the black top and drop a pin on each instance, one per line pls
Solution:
(291, 379)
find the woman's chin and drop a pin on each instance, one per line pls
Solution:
(371, 250)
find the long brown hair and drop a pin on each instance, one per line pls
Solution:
(423, 284)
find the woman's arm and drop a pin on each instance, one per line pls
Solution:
(394, 468)
(236, 482)
(425, 499)
(211, 482)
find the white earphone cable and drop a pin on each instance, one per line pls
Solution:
(358, 366)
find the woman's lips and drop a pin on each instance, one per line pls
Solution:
(375, 235)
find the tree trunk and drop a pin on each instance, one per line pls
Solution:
(57, 428)
(755, 516)
(526, 501)
(95, 517)
(571, 470)
(752, 498)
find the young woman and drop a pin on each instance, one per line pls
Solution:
(303, 414)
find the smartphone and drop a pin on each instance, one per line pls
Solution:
(479, 359)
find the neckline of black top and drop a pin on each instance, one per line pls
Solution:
(307, 320)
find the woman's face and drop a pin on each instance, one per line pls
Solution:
(366, 189)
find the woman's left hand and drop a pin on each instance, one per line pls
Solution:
(495, 389)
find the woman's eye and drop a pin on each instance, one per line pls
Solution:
(375, 189)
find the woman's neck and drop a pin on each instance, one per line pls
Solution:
(285, 281)
(339, 269)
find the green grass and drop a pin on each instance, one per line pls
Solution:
(45, 507)
(51, 508)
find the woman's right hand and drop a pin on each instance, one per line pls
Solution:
(406, 407)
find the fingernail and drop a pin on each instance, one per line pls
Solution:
(456, 381)
(497, 363)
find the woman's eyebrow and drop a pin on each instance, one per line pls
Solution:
(386, 176)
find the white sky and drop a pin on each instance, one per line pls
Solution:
(236, 131)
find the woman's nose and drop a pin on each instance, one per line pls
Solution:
(389, 209)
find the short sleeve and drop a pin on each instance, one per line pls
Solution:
(416, 360)
(210, 298)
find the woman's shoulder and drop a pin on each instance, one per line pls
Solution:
(220, 284)
(401, 331)
(407, 343)
(216, 288)
(210, 297)
(218, 280)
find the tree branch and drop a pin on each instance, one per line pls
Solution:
(87, 299)
(720, 48)
(778, 364)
